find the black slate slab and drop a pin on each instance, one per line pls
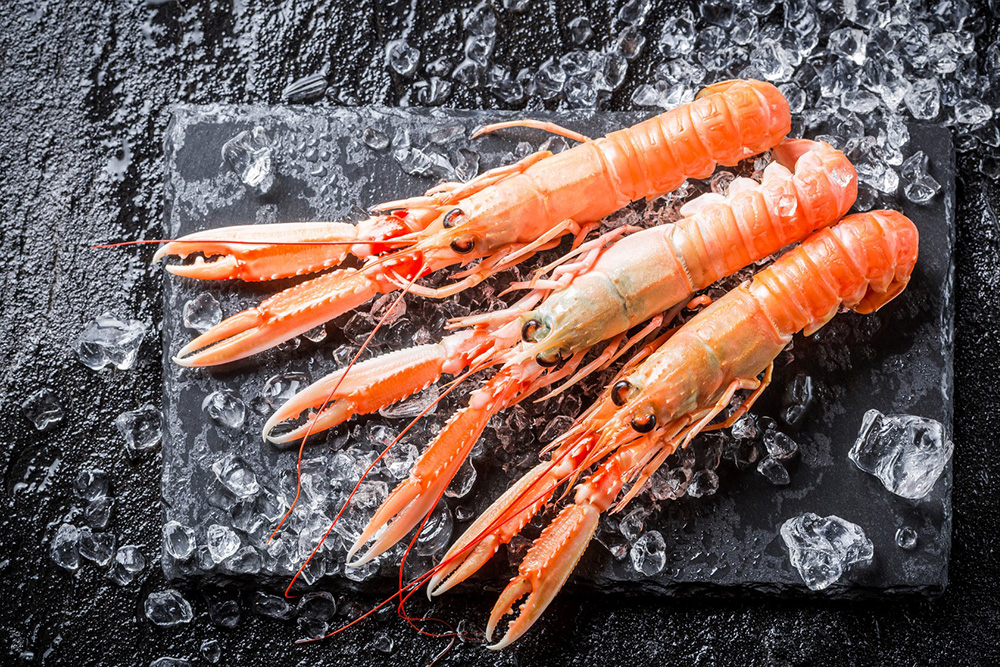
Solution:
(896, 361)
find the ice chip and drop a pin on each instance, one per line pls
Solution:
(225, 408)
(463, 481)
(433, 91)
(140, 428)
(703, 483)
(65, 547)
(245, 561)
(773, 471)
(234, 474)
(401, 57)
(280, 388)
(211, 651)
(918, 186)
(98, 512)
(924, 99)
(272, 606)
(249, 155)
(97, 547)
(580, 30)
(91, 484)
(779, 445)
(906, 453)
(383, 643)
(823, 548)
(222, 542)
(202, 312)
(906, 538)
(972, 112)
(178, 540)
(796, 399)
(129, 562)
(436, 533)
(43, 409)
(223, 607)
(109, 340)
(669, 484)
(632, 524)
(649, 553)
(168, 608)
(375, 139)
(307, 88)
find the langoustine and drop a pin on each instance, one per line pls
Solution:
(637, 278)
(664, 401)
(501, 218)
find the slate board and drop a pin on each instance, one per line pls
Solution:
(899, 360)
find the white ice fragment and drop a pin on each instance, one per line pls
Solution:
(823, 548)
(65, 547)
(649, 553)
(315, 611)
(129, 562)
(972, 112)
(168, 608)
(279, 388)
(433, 91)
(43, 409)
(234, 474)
(436, 533)
(225, 408)
(401, 57)
(178, 540)
(773, 471)
(375, 139)
(924, 99)
(245, 561)
(222, 542)
(580, 30)
(98, 512)
(906, 453)
(97, 547)
(383, 643)
(906, 538)
(779, 445)
(202, 312)
(703, 483)
(918, 185)
(463, 481)
(109, 340)
(632, 524)
(272, 606)
(140, 428)
(91, 484)
(670, 484)
(211, 651)
(249, 155)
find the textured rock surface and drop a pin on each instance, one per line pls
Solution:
(898, 360)
(86, 91)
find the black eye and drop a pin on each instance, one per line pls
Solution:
(619, 393)
(451, 217)
(529, 330)
(544, 362)
(463, 246)
(644, 423)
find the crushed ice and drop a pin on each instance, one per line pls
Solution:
(823, 548)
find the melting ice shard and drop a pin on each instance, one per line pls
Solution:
(823, 548)
(906, 453)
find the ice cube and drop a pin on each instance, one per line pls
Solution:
(580, 30)
(401, 57)
(129, 562)
(140, 428)
(649, 553)
(272, 606)
(924, 99)
(906, 538)
(906, 453)
(670, 484)
(224, 606)
(717, 12)
(225, 408)
(677, 37)
(745, 428)
(234, 474)
(202, 312)
(91, 484)
(167, 608)
(97, 547)
(972, 112)
(222, 542)
(849, 42)
(43, 409)
(436, 533)
(703, 483)
(98, 512)
(178, 540)
(65, 547)
(463, 481)
(918, 186)
(414, 405)
(823, 548)
(245, 561)
(315, 611)
(773, 471)
(433, 91)
(744, 30)
(779, 445)
(109, 340)
(211, 651)
(375, 139)
(383, 643)
(631, 526)
(249, 155)
(773, 61)
(279, 388)
(796, 399)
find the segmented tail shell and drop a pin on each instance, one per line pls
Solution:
(862, 263)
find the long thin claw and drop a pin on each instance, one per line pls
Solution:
(544, 570)
(496, 526)
(282, 316)
(369, 386)
(234, 253)
(416, 496)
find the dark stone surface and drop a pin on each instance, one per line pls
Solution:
(86, 91)
(898, 361)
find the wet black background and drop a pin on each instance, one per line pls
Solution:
(86, 84)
